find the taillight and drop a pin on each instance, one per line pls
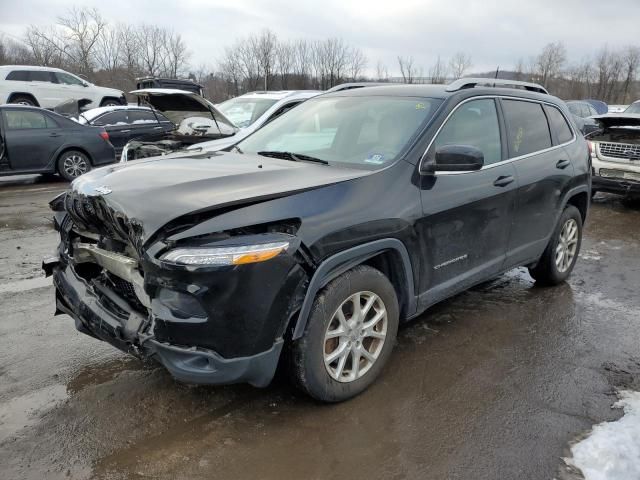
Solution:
(104, 135)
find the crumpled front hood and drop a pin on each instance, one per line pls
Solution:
(151, 193)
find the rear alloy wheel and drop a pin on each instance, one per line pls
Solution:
(561, 254)
(23, 100)
(349, 336)
(72, 164)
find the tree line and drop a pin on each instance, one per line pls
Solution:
(83, 42)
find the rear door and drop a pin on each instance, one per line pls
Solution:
(467, 215)
(31, 139)
(544, 175)
(44, 87)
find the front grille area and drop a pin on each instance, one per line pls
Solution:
(608, 173)
(125, 290)
(625, 151)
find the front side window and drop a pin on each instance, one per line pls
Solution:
(359, 131)
(22, 120)
(40, 76)
(113, 118)
(559, 125)
(474, 123)
(244, 111)
(68, 79)
(142, 117)
(527, 127)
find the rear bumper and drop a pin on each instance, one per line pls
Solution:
(189, 364)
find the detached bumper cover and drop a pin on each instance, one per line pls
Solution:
(615, 185)
(187, 364)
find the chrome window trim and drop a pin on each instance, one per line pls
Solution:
(508, 160)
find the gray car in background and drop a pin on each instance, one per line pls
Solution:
(35, 140)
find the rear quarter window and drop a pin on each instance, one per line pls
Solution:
(18, 75)
(559, 125)
(527, 127)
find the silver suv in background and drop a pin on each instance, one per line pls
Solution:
(48, 87)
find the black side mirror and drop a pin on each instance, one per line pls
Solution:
(454, 158)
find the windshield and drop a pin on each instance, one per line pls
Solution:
(367, 131)
(633, 108)
(244, 111)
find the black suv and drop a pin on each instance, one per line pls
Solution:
(322, 231)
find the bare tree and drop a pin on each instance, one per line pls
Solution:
(263, 47)
(438, 71)
(382, 73)
(302, 66)
(407, 69)
(176, 54)
(44, 47)
(631, 63)
(357, 62)
(80, 32)
(285, 60)
(551, 61)
(459, 64)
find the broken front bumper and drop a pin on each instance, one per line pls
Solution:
(100, 313)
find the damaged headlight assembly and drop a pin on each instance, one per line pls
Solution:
(224, 256)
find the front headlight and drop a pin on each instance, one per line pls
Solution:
(223, 256)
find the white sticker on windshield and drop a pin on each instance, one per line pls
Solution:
(375, 158)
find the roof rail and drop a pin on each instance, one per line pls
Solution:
(494, 82)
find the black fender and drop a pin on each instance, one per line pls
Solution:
(339, 263)
(23, 94)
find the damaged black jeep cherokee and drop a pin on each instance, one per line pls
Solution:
(321, 231)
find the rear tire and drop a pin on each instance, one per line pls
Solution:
(351, 331)
(72, 164)
(23, 100)
(560, 256)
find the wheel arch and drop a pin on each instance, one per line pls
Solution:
(23, 94)
(108, 97)
(580, 200)
(389, 255)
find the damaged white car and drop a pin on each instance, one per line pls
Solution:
(196, 120)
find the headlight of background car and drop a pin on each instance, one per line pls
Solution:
(221, 256)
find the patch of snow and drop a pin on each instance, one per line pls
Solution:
(590, 255)
(612, 449)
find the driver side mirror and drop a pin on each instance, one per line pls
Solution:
(453, 158)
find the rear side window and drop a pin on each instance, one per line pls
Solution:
(527, 127)
(26, 120)
(559, 125)
(474, 123)
(141, 117)
(18, 75)
(113, 118)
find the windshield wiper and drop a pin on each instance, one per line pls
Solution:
(296, 157)
(237, 149)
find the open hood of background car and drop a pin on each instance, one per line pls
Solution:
(178, 105)
(72, 107)
(618, 120)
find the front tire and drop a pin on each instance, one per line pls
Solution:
(23, 100)
(72, 164)
(560, 256)
(110, 102)
(350, 334)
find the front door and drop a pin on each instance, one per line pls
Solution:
(31, 139)
(467, 215)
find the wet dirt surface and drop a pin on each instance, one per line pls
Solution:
(492, 384)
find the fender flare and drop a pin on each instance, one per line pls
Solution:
(22, 94)
(339, 263)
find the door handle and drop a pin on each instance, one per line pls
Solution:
(54, 134)
(503, 181)
(125, 131)
(562, 164)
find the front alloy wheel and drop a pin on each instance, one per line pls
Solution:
(355, 336)
(349, 336)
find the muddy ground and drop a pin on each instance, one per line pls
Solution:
(492, 384)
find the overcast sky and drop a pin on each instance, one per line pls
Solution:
(493, 32)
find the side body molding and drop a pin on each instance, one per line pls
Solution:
(347, 259)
